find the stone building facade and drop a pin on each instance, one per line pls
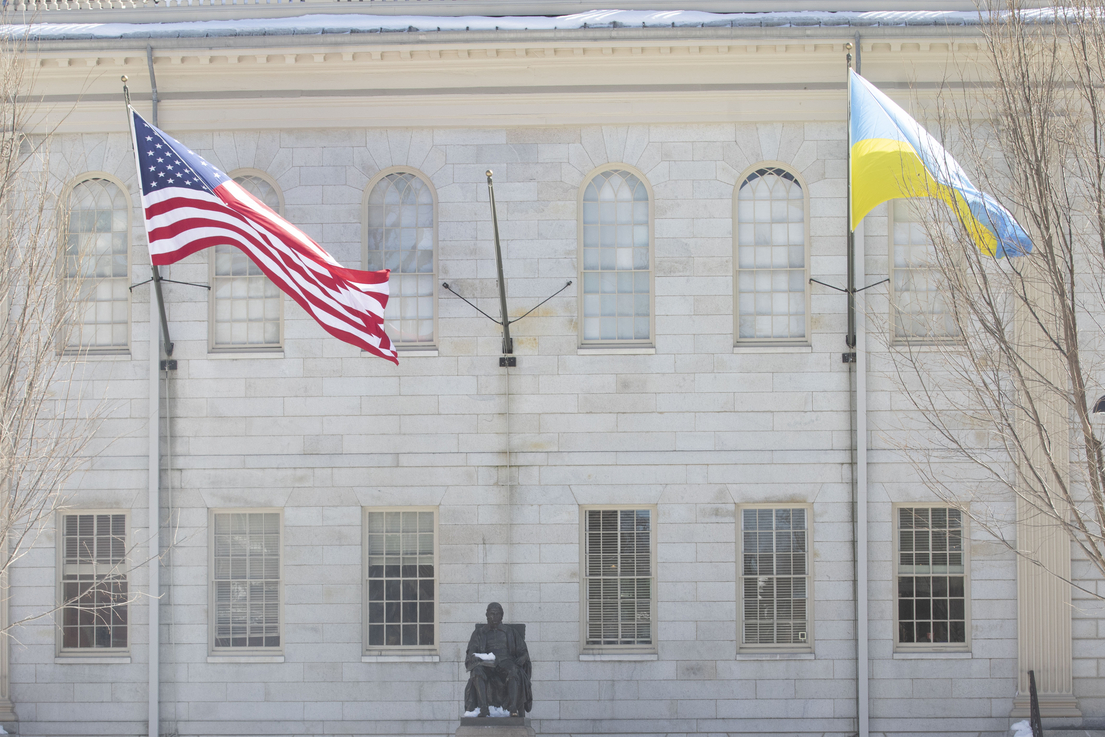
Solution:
(663, 489)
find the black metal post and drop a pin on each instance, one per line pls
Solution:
(508, 344)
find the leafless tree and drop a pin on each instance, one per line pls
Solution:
(48, 420)
(1005, 364)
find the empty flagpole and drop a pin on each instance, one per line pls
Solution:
(508, 344)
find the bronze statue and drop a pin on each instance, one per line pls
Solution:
(498, 667)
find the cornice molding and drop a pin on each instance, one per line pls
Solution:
(316, 49)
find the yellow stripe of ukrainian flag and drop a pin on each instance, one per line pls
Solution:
(883, 169)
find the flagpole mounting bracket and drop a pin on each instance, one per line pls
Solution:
(506, 359)
(849, 291)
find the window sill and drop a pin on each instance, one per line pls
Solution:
(401, 658)
(752, 655)
(925, 344)
(122, 354)
(245, 658)
(772, 348)
(607, 350)
(415, 352)
(607, 657)
(92, 659)
(230, 353)
(933, 655)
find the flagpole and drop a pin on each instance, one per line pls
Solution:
(153, 497)
(856, 340)
(508, 344)
(155, 273)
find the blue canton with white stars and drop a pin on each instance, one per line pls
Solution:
(165, 162)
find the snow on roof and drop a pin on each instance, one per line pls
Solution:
(363, 23)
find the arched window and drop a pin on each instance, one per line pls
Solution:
(400, 235)
(919, 306)
(97, 265)
(616, 259)
(771, 258)
(246, 308)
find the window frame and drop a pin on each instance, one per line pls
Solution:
(892, 292)
(64, 346)
(409, 347)
(801, 181)
(614, 650)
(242, 652)
(808, 645)
(212, 345)
(399, 651)
(936, 647)
(584, 344)
(60, 650)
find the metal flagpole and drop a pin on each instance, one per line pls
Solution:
(858, 367)
(154, 476)
(508, 344)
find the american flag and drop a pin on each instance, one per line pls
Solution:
(191, 205)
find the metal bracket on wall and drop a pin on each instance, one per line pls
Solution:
(505, 360)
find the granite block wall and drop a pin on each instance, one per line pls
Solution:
(692, 428)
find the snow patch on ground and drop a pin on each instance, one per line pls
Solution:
(495, 712)
(1021, 729)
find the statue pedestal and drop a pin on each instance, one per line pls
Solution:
(495, 727)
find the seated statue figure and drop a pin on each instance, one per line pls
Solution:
(498, 667)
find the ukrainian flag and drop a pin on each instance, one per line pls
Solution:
(893, 156)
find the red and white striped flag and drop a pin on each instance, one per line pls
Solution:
(191, 205)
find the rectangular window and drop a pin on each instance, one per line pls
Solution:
(400, 579)
(775, 578)
(619, 585)
(931, 568)
(920, 309)
(93, 586)
(246, 593)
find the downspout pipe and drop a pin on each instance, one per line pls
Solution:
(157, 315)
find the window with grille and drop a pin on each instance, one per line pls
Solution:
(619, 583)
(401, 236)
(932, 580)
(96, 266)
(400, 579)
(775, 576)
(245, 586)
(919, 307)
(616, 259)
(94, 593)
(246, 307)
(771, 257)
